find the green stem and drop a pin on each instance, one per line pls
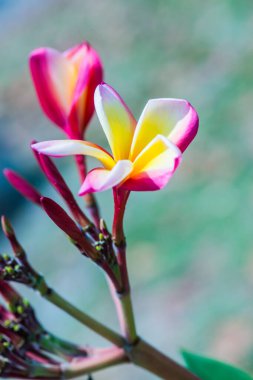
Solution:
(107, 358)
(126, 317)
(147, 357)
(99, 359)
(60, 347)
(142, 354)
(125, 314)
(56, 299)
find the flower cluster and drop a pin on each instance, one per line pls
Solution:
(142, 155)
(16, 268)
(26, 348)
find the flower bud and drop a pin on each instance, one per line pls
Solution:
(65, 223)
(55, 178)
(22, 186)
(65, 84)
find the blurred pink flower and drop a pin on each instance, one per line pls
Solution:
(144, 155)
(65, 84)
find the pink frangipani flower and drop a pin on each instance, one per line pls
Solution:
(65, 84)
(145, 154)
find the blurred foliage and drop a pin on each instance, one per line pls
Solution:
(210, 369)
(190, 246)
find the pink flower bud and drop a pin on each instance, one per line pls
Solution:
(22, 186)
(66, 224)
(55, 178)
(65, 84)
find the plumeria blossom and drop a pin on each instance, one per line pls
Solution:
(65, 84)
(144, 154)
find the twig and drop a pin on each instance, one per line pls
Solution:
(56, 299)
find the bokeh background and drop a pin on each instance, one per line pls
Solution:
(190, 245)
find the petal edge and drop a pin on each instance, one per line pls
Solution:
(116, 119)
(60, 148)
(102, 179)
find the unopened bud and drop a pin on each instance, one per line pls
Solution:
(10, 234)
(66, 224)
(22, 186)
(55, 178)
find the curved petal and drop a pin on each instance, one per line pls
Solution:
(59, 148)
(77, 54)
(54, 79)
(116, 119)
(102, 179)
(89, 74)
(172, 118)
(154, 166)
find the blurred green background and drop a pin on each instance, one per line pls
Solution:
(190, 245)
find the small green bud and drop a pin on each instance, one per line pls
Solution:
(7, 323)
(17, 267)
(8, 269)
(16, 328)
(6, 257)
(20, 309)
(26, 302)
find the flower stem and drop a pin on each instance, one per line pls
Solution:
(124, 310)
(110, 273)
(120, 199)
(147, 357)
(122, 299)
(56, 299)
(98, 359)
(105, 358)
(126, 316)
(118, 236)
(90, 199)
(60, 347)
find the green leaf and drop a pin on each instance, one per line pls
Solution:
(210, 369)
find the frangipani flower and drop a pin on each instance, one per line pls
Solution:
(65, 84)
(144, 155)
